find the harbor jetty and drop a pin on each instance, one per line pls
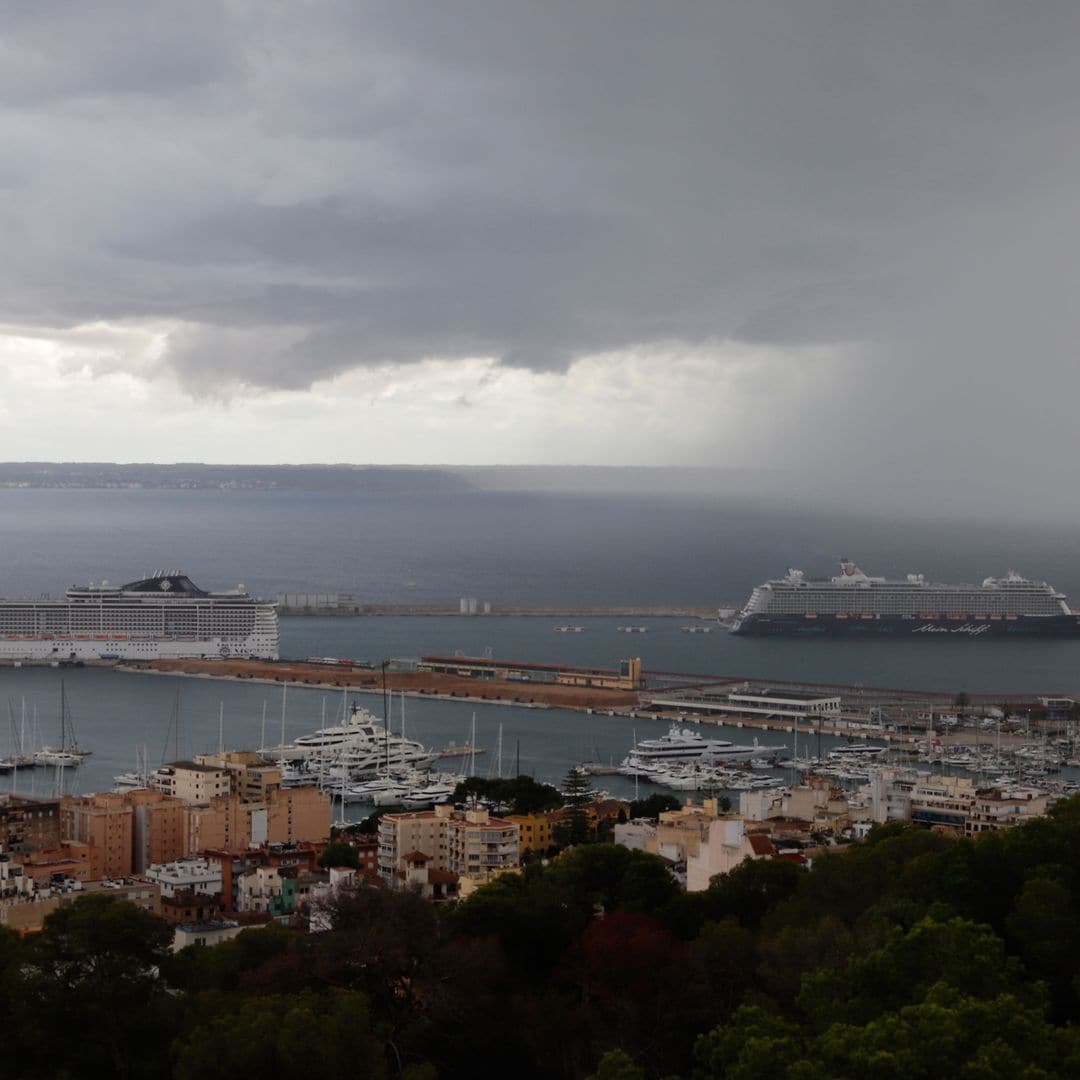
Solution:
(288, 605)
(897, 716)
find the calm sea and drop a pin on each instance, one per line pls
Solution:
(507, 548)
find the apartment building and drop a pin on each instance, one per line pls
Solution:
(469, 843)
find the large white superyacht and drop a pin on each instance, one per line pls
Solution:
(357, 747)
(163, 616)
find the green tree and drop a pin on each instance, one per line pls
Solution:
(727, 953)
(653, 806)
(958, 953)
(94, 969)
(281, 1035)
(754, 1046)
(529, 916)
(951, 1034)
(242, 960)
(1044, 929)
(826, 944)
(617, 1065)
(750, 890)
(339, 853)
(517, 795)
(577, 795)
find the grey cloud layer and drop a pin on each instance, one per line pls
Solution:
(319, 186)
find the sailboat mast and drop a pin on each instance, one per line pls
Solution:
(386, 715)
(284, 698)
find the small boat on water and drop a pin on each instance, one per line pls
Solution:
(68, 754)
(139, 777)
(53, 757)
(429, 795)
(857, 750)
(384, 789)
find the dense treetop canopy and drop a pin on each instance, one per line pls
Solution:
(908, 955)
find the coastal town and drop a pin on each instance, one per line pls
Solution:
(225, 842)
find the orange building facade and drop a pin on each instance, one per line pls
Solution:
(120, 834)
(103, 823)
(287, 816)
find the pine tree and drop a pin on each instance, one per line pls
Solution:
(577, 795)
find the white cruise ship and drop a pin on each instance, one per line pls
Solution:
(855, 604)
(164, 616)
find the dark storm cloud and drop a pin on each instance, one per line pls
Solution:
(316, 187)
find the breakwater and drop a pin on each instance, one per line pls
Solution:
(628, 611)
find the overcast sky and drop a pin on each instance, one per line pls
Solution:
(830, 238)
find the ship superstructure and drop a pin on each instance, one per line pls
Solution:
(159, 617)
(855, 603)
(683, 746)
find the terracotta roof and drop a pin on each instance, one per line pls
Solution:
(760, 844)
(416, 856)
(436, 876)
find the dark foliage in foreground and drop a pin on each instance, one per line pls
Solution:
(909, 955)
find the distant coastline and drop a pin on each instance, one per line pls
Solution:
(396, 479)
(198, 477)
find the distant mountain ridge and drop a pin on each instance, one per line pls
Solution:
(195, 476)
(412, 479)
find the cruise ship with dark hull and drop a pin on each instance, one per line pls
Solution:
(854, 604)
(164, 616)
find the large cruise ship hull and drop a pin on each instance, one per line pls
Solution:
(12, 648)
(165, 616)
(1019, 626)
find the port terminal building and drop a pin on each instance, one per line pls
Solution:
(627, 676)
(765, 702)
